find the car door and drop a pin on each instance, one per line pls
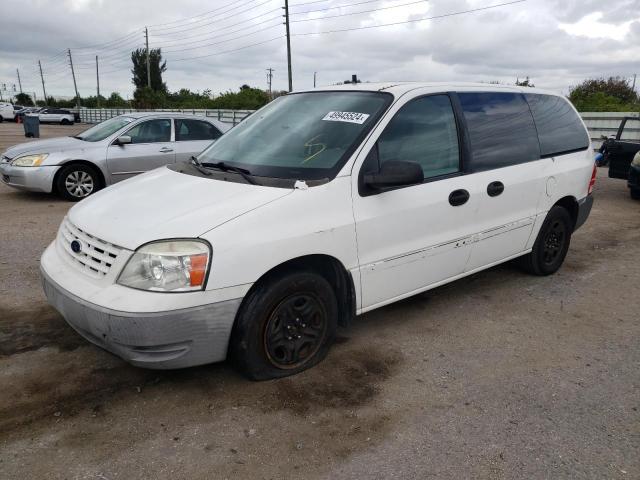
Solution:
(413, 237)
(193, 136)
(46, 115)
(505, 156)
(621, 151)
(151, 147)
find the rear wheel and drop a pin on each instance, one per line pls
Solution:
(284, 326)
(64, 121)
(551, 245)
(77, 181)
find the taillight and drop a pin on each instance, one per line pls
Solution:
(592, 182)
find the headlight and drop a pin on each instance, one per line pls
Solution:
(30, 160)
(168, 266)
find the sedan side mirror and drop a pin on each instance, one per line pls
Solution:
(123, 140)
(395, 174)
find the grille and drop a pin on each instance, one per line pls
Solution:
(95, 257)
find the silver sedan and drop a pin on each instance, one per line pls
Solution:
(118, 148)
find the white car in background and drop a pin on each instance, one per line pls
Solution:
(7, 112)
(55, 115)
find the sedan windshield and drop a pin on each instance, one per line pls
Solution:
(302, 136)
(105, 129)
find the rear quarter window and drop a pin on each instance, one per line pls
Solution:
(501, 129)
(560, 129)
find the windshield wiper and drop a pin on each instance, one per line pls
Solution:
(76, 136)
(246, 174)
(196, 163)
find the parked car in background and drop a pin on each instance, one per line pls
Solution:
(619, 154)
(322, 205)
(118, 148)
(7, 113)
(24, 111)
(56, 115)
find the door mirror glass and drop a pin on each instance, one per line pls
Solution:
(123, 140)
(395, 174)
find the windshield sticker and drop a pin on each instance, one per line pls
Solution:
(350, 117)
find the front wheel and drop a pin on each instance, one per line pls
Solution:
(551, 245)
(75, 182)
(285, 325)
(64, 121)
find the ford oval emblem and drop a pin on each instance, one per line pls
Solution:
(76, 246)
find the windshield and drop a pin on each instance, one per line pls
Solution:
(302, 136)
(103, 130)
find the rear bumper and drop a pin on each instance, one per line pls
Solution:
(584, 209)
(634, 178)
(158, 340)
(33, 179)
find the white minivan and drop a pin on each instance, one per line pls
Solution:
(7, 112)
(322, 205)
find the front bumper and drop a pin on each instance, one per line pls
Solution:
(33, 179)
(159, 340)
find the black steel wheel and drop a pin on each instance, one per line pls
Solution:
(285, 325)
(551, 245)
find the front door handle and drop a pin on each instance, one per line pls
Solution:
(495, 188)
(166, 150)
(458, 197)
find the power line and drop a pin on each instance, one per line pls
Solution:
(412, 20)
(335, 7)
(354, 13)
(228, 51)
(184, 20)
(222, 41)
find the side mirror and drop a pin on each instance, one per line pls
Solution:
(395, 174)
(123, 140)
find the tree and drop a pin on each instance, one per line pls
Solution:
(613, 94)
(24, 100)
(146, 98)
(157, 67)
(115, 100)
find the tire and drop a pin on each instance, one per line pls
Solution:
(77, 181)
(551, 245)
(64, 121)
(1, 119)
(635, 193)
(288, 313)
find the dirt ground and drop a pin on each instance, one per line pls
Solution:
(498, 375)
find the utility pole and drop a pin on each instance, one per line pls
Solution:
(286, 23)
(19, 82)
(42, 78)
(73, 74)
(97, 83)
(269, 78)
(146, 36)
(314, 79)
(634, 82)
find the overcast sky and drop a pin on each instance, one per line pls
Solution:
(557, 43)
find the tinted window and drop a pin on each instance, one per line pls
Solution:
(195, 130)
(501, 129)
(151, 131)
(631, 130)
(423, 131)
(559, 126)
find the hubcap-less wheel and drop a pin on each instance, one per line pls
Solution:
(553, 242)
(79, 184)
(295, 330)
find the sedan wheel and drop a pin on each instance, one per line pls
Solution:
(79, 184)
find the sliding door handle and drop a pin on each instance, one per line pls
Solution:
(495, 188)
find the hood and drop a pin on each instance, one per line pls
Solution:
(51, 145)
(163, 204)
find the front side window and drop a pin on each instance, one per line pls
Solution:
(631, 130)
(104, 129)
(501, 129)
(559, 126)
(423, 131)
(151, 131)
(190, 130)
(301, 136)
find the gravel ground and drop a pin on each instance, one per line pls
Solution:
(498, 375)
